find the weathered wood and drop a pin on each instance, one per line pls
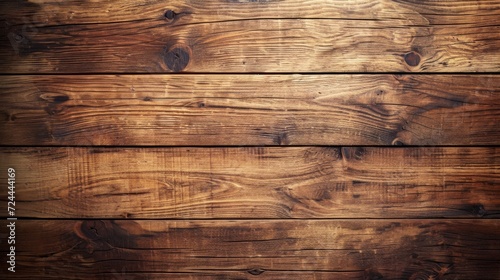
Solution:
(249, 36)
(277, 182)
(256, 249)
(351, 212)
(250, 110)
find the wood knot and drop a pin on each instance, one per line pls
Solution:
(54, 98)
(397, 142)
(93, 230)
(11, 117)
(19, 42)
(337, 153)
(256, 271)
(281, 139)
(18, 38)
(356, 153)
(412, 59)
(169, 14)
(478, 210)
(177, 58)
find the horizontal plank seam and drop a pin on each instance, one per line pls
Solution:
(484, 218)
(250, 73)
(248, 146)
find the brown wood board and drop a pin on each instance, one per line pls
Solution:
(218, 110)
(278, 182)
(249, 36)
(258, 249)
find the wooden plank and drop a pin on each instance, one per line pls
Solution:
(249, 36)
(218, 110)
(256, 249)
(277, 182)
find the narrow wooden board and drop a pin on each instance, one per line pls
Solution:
(218, 110)
(279, 182)
(249, 36)
(256, 249)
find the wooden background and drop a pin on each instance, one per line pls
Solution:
(251, 139)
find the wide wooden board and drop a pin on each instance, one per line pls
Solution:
(256, 249)
(218, 110)
(249, 36)
(279, 182)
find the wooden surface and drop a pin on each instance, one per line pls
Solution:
(256, 249)
(249, 36)
(244, 110)
(251, 139)
(312, 182)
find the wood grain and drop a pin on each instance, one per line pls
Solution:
(249, 36)
(278, 182)
(122, 175)
(215, 110)
(256, 249)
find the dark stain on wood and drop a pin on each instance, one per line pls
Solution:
(478, 210)
(281, 138)
(373, 274)
(20, 42)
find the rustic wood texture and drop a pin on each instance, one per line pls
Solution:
(256, 249)
(250, 110)
(279, 182)
(268, 156)
(249, 36)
